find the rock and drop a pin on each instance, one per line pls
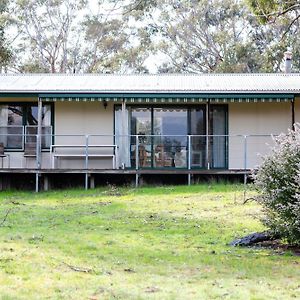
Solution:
(253, 238)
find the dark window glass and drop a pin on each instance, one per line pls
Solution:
(11, 126)
(12, 121)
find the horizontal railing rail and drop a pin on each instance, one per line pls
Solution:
(139, 151)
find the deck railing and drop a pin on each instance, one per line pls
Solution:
(76, 151)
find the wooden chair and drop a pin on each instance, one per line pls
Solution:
(3, 155)
(29, 151)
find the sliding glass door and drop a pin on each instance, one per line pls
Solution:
(218, 141)
(163, 136)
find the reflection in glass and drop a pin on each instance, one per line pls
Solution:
(170, 141)
(14, 117)
(141, 126)
(218, 143)
(198, 143)
(11, 130)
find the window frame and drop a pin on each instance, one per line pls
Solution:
(25, 106)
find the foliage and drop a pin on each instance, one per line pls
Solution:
(278, 180)
(215, 36)
(5, 52)
(113, 36)
(268, 10)
(148, 243)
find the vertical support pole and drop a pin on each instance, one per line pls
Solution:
(207, 134)
(38, 143)
(136, 160)
(245, 158)
(86, 162)
(293, 113)
(189, 160)
(136, 180)
(124, 135)
(46, 183)
(39, 133)
(92, 182)
(245, 166)
(136, 152)
(37, 177)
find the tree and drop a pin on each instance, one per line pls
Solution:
(5, 52)
(269, 10)
(204, 36)
(71, 36)
(47, 33)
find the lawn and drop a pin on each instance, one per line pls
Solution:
(150, 243)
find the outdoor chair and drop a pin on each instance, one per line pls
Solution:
(3, 155)
(29, 152)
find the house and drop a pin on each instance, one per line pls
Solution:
(141, 124)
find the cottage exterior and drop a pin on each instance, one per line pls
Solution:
(142, 124)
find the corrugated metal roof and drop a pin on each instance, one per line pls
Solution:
(173, 83)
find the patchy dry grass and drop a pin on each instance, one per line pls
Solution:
(151, 243)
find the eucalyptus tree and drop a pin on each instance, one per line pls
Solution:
(5, 52)
(269, 10)
(203, 36)
(48, 34)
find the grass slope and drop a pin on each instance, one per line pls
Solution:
(151, 243)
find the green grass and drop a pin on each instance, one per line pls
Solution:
(151, 243)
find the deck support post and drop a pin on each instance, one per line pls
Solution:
(1, 183)
(37, 182)
(46, 183)
(86, 182)
(92, 182)
(137, 179)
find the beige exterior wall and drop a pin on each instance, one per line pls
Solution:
(255, 119)
(84, 118)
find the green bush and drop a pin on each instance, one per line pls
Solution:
(278, 183)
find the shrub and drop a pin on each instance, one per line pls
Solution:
(278, 183)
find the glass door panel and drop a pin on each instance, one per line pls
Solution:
(198, 139)
(141, 125)
(218, 143)
(170, 128)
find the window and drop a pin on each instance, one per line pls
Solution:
(18, 124)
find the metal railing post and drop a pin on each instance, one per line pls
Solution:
(189, 159)
(245, 159)
(136, 160)
(207, 152)
(86, 162)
